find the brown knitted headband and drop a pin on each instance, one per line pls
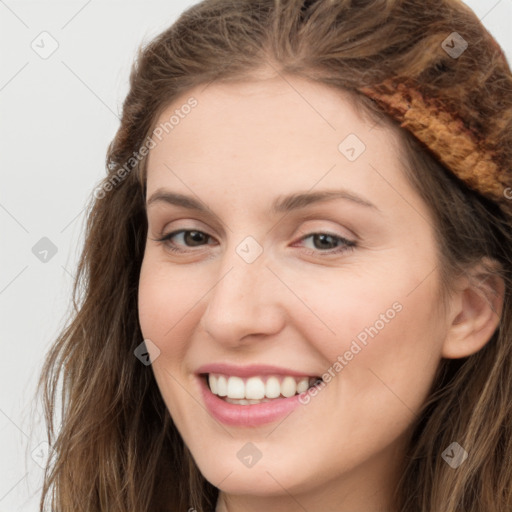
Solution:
(459, 104)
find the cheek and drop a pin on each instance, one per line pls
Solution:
(381, 343)
(166, 304)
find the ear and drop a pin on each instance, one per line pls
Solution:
(475, 311)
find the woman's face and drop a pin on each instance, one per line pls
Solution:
(268, 290)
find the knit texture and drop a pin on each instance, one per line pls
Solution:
(462, 111)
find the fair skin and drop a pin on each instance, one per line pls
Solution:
(243, 146)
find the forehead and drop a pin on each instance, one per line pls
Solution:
(280, 122)
(284, 106)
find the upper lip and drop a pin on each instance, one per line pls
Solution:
(249, 371)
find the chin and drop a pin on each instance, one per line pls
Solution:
(259, 480)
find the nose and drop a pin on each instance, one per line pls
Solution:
(245, 301)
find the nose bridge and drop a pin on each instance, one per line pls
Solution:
(243, 299)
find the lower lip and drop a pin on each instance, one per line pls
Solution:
(247, 415)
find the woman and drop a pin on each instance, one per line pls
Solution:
(221, 356)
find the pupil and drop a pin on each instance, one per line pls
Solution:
(194, 235)
(323, 237)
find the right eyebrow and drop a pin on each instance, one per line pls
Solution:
(165, 196)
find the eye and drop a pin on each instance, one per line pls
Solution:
(188, 235)
(321, 240)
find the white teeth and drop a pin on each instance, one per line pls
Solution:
(236, 387)
(302, 385)
(257, 389)
(272, 387)
(254, 388)
(288, 387)
(222, 385)
(212, 381)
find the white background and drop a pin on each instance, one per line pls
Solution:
(57, 116)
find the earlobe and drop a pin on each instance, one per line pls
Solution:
(475, 313)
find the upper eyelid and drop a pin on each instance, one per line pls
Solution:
(308, 218)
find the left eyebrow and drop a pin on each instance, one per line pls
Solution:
(282, 204)
(303, 199)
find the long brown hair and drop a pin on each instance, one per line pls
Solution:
(118, 449)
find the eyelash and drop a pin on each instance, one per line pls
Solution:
(348, 245)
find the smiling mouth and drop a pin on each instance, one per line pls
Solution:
(257, 389)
